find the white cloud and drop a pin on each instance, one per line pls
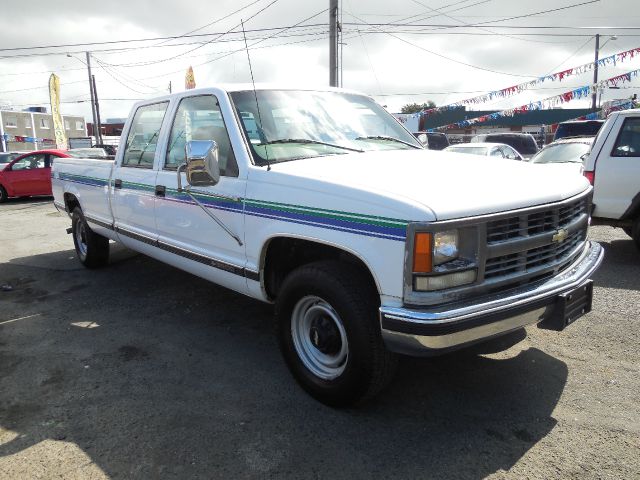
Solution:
(374, 63)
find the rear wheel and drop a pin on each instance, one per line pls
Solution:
(326, 319)
(92, 249)
(3, 194)
(636, 233)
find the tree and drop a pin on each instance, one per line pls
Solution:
(416, 107)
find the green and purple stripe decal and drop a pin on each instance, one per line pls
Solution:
(360, 224)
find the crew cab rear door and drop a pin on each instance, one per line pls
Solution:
(134, 178)
(617, 169)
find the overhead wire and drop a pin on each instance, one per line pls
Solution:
(153, 62)
(446, 14)
(211, 23)
(250, 47)
(460, 62)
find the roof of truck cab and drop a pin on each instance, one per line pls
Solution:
(242, 87)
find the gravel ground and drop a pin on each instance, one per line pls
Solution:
(140, 370)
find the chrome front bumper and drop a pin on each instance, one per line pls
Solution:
(423, 332)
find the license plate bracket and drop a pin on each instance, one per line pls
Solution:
(569, 307)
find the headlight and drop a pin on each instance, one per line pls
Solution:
(432, 249)
(445, 247)
(445, 259)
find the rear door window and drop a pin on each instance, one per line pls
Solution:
(142, 140)
(628, 141)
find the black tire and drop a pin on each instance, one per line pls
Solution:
(628, 231)
(324, 294)
(636, 233)
(3, 194)
(92, 249)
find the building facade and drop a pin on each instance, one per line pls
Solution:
(34, 130)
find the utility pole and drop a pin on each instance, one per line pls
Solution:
(97, 109)
(333, 43)
(96, 132)
(594, 93)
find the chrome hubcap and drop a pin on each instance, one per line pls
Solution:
(319, 337)
(81, 238)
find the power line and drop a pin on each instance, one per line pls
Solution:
(212, 23)
(226, 54)
(442, 8)
(391, 24)
(251, 46)
(477, 67)
(480, 25)
(106, 70)
(566, 7)
(198, 47)
(150, 39)
(446, 14)
(43, 86)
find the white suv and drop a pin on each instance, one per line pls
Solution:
(613, 168)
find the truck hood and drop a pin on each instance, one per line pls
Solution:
(450, 185)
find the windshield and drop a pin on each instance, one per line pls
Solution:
(578, 129)
(292, 125)
(473, 150)
(525, 145)
(562, 153)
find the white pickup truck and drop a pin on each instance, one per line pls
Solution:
(322, 203)
(613, 168)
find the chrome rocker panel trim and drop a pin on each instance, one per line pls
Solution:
(424, 332)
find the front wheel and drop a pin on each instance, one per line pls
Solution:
(92, 249)
(3, 194)
(326, 319)
(635, 234)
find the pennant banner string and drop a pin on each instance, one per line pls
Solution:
(549, 102)
(516, 89)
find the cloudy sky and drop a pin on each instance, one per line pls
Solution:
(399, 52)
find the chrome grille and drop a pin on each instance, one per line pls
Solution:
(522, 246)
(525, 225)
(529, 259)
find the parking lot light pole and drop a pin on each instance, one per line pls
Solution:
(594, 94)
(96, 133)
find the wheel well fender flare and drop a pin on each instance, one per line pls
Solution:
(337, 248)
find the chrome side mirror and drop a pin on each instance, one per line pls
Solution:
(202, 164)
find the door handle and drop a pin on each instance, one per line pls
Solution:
(117, 183)
(160, 190)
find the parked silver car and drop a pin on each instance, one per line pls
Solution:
(500, 150)
(524, 143)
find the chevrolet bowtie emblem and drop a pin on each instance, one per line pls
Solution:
(560, 236)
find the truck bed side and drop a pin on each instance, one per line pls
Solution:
(76, 179)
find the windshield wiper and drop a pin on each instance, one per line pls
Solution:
(308, 140)
(390, 139)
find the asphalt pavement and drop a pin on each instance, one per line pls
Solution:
(140, 370)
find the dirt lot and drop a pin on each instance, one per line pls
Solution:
(142, 371)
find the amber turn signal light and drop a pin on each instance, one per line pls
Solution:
(422, 249)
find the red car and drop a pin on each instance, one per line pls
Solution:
(29, 174)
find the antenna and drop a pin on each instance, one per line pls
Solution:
(255, 95)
